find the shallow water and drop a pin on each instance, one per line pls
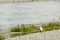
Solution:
(26, 13)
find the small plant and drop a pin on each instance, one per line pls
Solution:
(32, 0)
(1, 38)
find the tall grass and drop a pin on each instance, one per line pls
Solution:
(30, 28)
(25, 29)
(51, 26)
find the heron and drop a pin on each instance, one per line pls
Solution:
(41, 28)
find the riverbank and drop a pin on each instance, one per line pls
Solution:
(50, 35)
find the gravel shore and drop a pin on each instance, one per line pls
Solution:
(50, 35)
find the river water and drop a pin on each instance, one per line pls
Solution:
(29, 12)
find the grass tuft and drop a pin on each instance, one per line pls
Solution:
(2, 38)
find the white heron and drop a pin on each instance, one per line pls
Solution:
(41, 28)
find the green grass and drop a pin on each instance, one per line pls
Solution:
(25, 29)
(1, 38)
(30, 28)
(51, 26)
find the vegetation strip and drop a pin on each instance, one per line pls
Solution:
(25, 29)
